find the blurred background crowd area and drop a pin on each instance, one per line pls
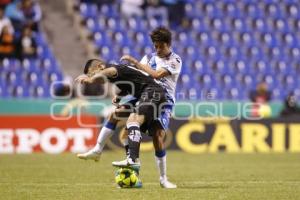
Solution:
(229, 48)
(27, 63)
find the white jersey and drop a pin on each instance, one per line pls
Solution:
(172, 64)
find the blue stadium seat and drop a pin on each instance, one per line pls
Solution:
(198, 25)
(92, 25)
(19, 91)
(88, 10)
(40, 91)
(184, 80)
(31, 65)
(281, 25)
(121, 39)
(190, 9)
(251, 10)
(137, 23)
(101, 39)
(239, 24)
(12, 65)
(218, 24)
(231, 10)
(246, 81)
(3, 86)
(219, 66)
(279, 93)
(109, 10)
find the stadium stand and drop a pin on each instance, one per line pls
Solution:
(227, 46)
(27, 72)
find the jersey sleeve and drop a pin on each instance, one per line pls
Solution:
(144, 60)
(173, 66)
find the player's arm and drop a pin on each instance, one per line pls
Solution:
(99, 77)
(157, 74)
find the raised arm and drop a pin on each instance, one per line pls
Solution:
(102, 76)
(157, 74)
(99, 77)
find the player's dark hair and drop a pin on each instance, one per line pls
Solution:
(161, 34)
(89, 64)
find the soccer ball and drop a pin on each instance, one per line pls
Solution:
(126, 178)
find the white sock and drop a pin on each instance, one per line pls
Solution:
(103, 136)
(161, 163)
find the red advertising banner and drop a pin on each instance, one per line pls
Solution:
(27, 134)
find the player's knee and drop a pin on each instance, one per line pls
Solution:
(159, 135)
(136, 118)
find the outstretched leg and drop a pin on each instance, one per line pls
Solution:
(161, 158)
(104, 135)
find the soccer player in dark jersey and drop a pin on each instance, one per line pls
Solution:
(150, 95)
(164, 65)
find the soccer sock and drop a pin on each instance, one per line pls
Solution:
(134, 139)
(161, 162)
(105, 133)
(126, 146)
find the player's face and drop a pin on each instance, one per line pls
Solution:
(97, 67)
(92, 71)
(162, 49)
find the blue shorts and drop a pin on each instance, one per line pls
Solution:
(165, 115)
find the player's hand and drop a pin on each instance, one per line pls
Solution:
(83, 79)
(129, 59)
(115, 101)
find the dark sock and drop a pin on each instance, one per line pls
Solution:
(126, 149)
(134, 139)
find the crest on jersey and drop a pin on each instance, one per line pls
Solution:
(173, 65)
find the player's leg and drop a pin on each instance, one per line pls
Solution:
(120, 113)
(146, 111)
(105, 133)
(134, 135)
(160, 152)
(134, 140)
(124, 139)
(161, 158)
(158, 134)
(129, 106)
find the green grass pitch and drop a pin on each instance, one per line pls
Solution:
(203, 176)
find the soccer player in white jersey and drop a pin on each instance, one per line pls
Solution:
(165, 66)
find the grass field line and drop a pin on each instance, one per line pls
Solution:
(157, 183)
